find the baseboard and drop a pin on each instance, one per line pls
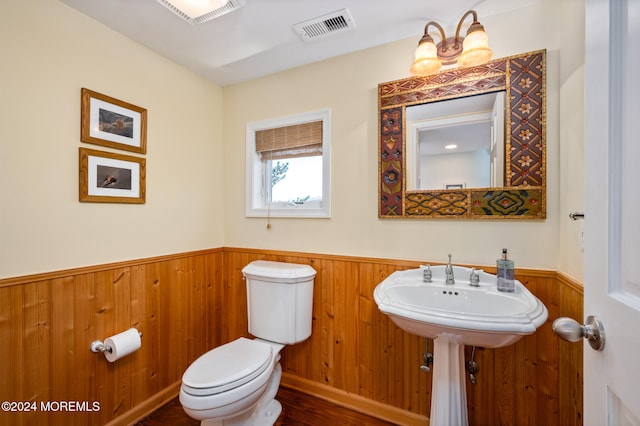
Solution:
(327, 393)
(147, 406)
(353, 402)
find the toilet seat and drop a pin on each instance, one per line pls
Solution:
(227, 367)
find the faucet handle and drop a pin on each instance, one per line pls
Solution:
(426, 273)
(474, 278)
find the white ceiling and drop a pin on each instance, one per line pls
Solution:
(258, 39)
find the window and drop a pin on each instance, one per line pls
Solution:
(288, 166)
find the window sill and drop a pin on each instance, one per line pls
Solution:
(296, 212)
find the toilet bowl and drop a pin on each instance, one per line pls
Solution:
(236, 383)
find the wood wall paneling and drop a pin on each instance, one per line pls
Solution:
(48, 323)
(188, 303)
(570, 355)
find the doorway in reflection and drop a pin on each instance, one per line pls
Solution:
(457, 143)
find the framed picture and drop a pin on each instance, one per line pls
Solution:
(110, 122)
(107, 177)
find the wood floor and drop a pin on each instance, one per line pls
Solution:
(297, 409)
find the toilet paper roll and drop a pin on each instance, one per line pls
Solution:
(122, 344)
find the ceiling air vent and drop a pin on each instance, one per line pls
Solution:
(324, 25)
(230, 6)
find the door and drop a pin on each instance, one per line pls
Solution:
(612, 210)
(497, 142)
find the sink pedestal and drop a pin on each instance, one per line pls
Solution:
(449, 388)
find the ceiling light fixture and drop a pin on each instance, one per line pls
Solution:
(195, 8)
(451, 146)
(470, 50)
(199, 11)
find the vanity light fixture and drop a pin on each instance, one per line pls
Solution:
(468, 51)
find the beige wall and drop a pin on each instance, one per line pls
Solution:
(196, 170)
(49, 52)
(348, 85)
(570, 259)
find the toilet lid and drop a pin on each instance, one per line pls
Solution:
(227, 367)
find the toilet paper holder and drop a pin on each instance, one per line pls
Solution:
(97, 346)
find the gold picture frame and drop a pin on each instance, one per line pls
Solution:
(113, 123)
(107, 177)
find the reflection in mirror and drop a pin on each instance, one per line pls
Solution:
(457, 143)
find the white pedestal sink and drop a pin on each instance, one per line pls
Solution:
(454, 316)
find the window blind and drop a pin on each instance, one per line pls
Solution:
(300, 140)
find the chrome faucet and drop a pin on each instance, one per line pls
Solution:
(448, 271)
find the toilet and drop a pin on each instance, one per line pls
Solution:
(236, 383)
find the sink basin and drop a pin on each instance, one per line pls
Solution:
(454, 316)
(480, 316)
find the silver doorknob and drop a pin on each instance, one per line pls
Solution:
(572, 331)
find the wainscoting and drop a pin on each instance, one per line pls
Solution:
(186, 304)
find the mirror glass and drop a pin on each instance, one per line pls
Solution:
(457, 143)
(498, 168)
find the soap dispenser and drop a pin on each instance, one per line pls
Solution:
(505, 273)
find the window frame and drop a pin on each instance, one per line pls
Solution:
(256, 181)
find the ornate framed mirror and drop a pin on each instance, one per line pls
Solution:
(519, 192)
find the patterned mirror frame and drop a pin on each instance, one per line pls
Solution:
(523, 196)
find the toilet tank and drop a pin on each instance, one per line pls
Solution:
(279, 300)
